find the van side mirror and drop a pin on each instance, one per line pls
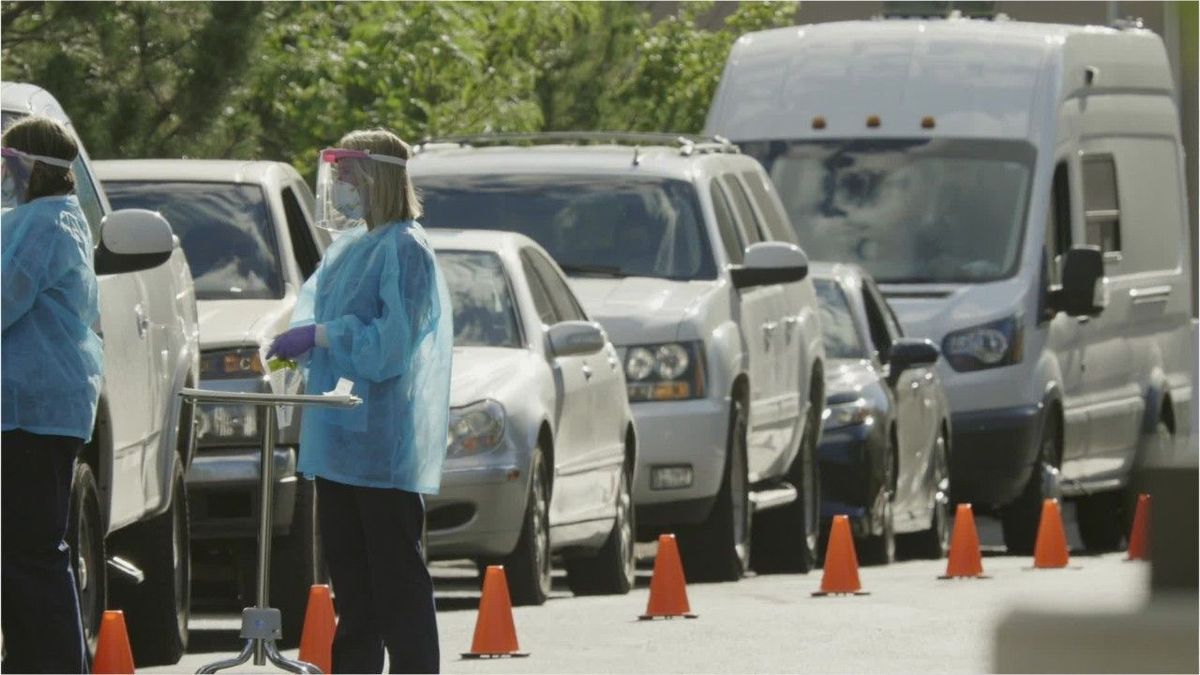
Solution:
(907, 353)
(1083, 291)
(770, 262)
(575, 338)
(132, 240)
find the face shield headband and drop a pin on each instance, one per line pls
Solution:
(17, 169)
(343, 186)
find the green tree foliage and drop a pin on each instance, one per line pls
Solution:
(281, 80)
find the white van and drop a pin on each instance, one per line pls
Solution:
(1017, 189)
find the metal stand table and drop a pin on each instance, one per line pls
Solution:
(262, 625)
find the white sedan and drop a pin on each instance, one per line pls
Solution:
(542, 444)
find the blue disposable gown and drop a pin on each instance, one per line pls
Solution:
(387, 318)
(52, 358)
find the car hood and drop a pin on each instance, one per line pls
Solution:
(847, 379)
(482, 372)
(933, 310)
(233, 323)
(637, 310)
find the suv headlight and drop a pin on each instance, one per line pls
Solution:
(670, 371)
(475, 428)
(995, 344)
(230, 364)
(849, 414)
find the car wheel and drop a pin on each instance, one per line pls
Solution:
(528, 566)
(787, 537)
(157, 610)
(611, 570)
(85, 536)
(1019, 519)
(297, 563)
(719, 548)
(880, 549)
(934, 542)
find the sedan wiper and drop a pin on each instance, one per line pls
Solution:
(600, 270)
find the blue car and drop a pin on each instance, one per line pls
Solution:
(885, 449)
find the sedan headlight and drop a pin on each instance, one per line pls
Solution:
(670, 371)
(475, 428)
(226, 423)
(229, 364)
(1000, 343)
(848, 414)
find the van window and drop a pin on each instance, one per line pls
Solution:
(741, 206)
(303, 246)
(1152, 203)
(541, 299)
(730, 237)
(1058, 223)
(1101, 204)
(773, 217)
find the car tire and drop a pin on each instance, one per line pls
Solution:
(297, 563)
(718, 549)
(85, 536)
(934, 543)
(157, 610)
(528, 566)
(880, 549)
(1019, 520)
(787, 538)
(611, 571)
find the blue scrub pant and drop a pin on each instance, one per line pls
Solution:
(39, 605)
(384, 595)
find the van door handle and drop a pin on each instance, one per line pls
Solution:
(1150, 294)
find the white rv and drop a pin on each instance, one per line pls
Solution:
(1018, 191)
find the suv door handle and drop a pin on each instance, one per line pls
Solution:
(143, 321)
(613, 363)
(587, 372)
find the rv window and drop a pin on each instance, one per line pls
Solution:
(730, 237)
(1101, 203)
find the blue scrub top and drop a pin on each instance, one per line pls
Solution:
(387, 317)
(52, 358)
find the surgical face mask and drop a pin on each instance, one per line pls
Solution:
(347, 200)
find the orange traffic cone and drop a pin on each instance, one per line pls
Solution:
(113, 654)
(1139, 536)
(668, 589)
(316, 641)
(1050, 551)
(841, 562)
(495, 634)
(965, 559)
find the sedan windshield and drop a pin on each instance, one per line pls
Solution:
(225, 229)
(608, 226)
(837, 322)
(908, 210)
(483, 306)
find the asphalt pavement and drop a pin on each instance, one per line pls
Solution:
(910, 622)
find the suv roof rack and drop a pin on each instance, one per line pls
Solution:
(687, 144)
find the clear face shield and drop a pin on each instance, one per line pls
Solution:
(344, 181)
(16, 170)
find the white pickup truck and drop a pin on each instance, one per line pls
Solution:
(129, 518)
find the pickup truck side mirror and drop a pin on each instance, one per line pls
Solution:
(907, 353)
(132, 240)
(770, 262)
(575, 338)
(1083, 291)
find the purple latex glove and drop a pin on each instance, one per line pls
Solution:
(294, 342)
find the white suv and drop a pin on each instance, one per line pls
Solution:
(681, 249)
(128, 494)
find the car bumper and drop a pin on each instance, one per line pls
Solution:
(223, 492)
(690, 434)
(479, 510)
(994, 452)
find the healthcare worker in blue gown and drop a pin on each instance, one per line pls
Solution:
(377, 313)
(52, 363)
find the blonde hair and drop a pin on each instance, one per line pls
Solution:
(391, 194)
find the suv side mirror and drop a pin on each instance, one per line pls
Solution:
(132, 240)
(575, 338)
(1083, 291)
(770, 262)
(908, 353)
